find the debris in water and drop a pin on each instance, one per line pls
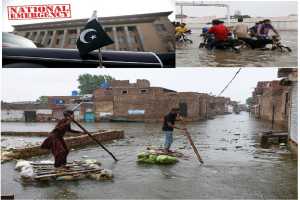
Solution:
(222, 148)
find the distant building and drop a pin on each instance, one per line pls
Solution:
(121, 100)
(286, 23)
(143, 32)
(141, 102)
(25, 112)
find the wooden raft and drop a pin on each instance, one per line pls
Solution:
(160, 151)
(48, 171)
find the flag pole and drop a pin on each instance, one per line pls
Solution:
(100, 58)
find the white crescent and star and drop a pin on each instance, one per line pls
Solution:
(83, 34)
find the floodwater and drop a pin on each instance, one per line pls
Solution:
(191, 56)
(234, 165)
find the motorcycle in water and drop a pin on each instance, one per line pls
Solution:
(252, 43)
(230, 44)
(277, 44)
(183, 39)
(262, 43)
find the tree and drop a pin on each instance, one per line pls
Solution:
(250, 101)
(88, 83)
(42, 99)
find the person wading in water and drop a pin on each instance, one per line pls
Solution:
(169, 126)
(55, 141)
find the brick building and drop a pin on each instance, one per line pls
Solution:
(290, 79)
(141, 102)
(271, 102)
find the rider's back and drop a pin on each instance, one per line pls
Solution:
(220, 31)
(241, 30)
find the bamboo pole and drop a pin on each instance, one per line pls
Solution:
(85, 131)
(194, 147)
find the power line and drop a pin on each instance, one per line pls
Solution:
(230, 81)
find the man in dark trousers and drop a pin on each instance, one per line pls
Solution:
(55, 141)
(169, 126)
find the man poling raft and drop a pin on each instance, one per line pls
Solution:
(169, 126)
(55, 141)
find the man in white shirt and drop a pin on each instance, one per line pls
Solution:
(241, 29)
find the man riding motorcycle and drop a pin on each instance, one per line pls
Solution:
(220, 32)
(218, 36)
(180, 32)
(260, 38)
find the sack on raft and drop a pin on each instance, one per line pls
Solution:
(22, 163)
(27, 172)
(105, 174)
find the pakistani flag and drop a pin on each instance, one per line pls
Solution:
(92, 37)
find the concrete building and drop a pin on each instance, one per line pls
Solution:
(143, 32)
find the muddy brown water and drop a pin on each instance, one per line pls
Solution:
(234, 165)
(192, 56)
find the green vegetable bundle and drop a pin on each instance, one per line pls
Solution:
(156, 159)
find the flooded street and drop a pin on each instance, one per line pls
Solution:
(191, 56)
(234, 165)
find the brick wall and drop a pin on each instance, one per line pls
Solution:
(72, 142)
(272, 97)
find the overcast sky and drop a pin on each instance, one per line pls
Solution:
(27, 85)
(253, 8)
(85, 8)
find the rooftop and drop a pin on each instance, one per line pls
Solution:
(113, 20)
(23, 106)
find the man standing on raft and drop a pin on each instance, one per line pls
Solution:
(169, 126)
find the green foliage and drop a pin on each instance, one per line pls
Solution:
(88, 83)
(250, 101)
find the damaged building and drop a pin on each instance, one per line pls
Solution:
(276, 101)
(271, 102)
(290, 79)
(125, 101)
